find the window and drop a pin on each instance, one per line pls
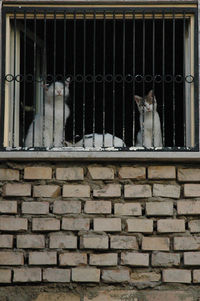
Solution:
(107, 56)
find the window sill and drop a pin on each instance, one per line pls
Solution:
(101, 155)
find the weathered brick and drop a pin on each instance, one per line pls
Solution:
(42, 258)
(137, 191)
(63, 207)
(188, 207)
(97, 207)
(192, 190)
(13, 224)
(17, 189)
(76, 191)
(136, 173)
(35, 207)
(114, 276)
(105, 259)
(107, 224)
(75, 224)
(194, 226)
(159, 208)
(8, 207)
(168, 295)
(70, 173)
(155, 243)
(139, 225)
(101, 173)
(27, 275)
(187, 243)
(188, 174)
(5, 276)
(30, 241)
(166, 190)
(161, 172)
(62, 241)
(37, 173)
(11, 258)
(196, 276)
(46, 191)
(85, 275)
(108, 191)
(145, 277)
(170, 225)
(93, 241)
(57, 296)
(134, 259)
(6, 241)
(72, 259)
(45, 224)
(191, 258)
(176, 275)
(123, 242)
(56, 275)
(7, 174)
(162, 259)
(134, 209)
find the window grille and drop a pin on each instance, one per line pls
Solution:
(106, 57)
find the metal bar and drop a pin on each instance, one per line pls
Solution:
(24, 84)
(45, 66)
(153, 71)
(173, 92)
(123, 82)
(143, 72)
(114, 71)
(184, 94)
(133, 101)
(34, 79)
(54, 74)
(84, 75)
(196, 80)
(14, 84)
(2, 84)
(74, 85)
(64, 74)
(163, 82)
(104, 73)
(94, 82)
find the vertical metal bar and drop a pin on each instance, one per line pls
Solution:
(153, 68)
(54, 74)
(184, 95)
(84, 74)
(123, 82)
(2, 84)
(104, 73)
(173, 93)
(64, 74)
(196, 80)
(114, 71)
(133, 101)
(74, 86)
(34, 78)
(24, 82)
(14, 83)
(94, 82)
(143, 71)
(45, 66)
(163, 76)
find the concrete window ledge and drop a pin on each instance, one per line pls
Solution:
(101, 155)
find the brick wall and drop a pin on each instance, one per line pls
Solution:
(116, 224)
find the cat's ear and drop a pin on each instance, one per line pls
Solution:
(67, 82)
(45, 86)
(137, 98)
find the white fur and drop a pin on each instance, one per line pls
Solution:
(98, 140)
(48, 130)
(152, 136)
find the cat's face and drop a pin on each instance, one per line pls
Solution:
(60, 89)
(146, 104)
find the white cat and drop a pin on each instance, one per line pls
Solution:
(48, 119)
(98, 141)
(148, 135)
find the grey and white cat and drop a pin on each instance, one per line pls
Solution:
(150, 134)
(48, 129)
(98, 141)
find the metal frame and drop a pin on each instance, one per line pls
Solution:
(104, 10)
